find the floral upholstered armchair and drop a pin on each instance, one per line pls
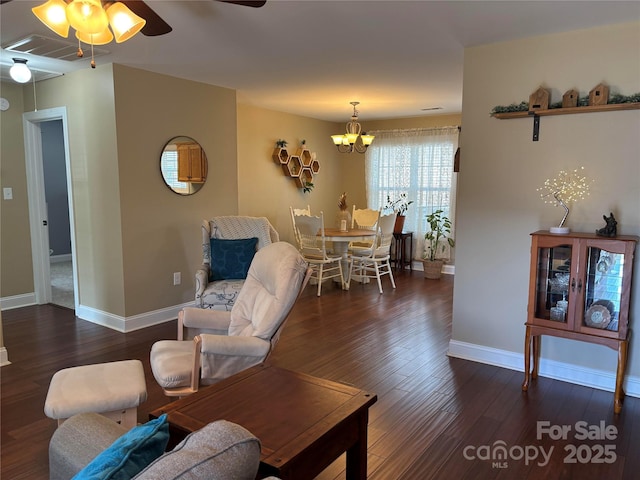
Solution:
(228, 246)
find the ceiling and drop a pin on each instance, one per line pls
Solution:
(312, 57)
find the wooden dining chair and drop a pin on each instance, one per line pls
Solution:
(375, 262)
(313, 247)
(294, 212)
(364, 219)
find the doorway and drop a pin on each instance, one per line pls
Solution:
(51, 213)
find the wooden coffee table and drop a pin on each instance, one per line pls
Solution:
(303, 423)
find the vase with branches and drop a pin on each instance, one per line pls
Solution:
(399, 206)
(343, 220)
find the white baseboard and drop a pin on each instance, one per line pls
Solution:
(566, 372)
(17, 301)
(129, 324)
(106, 319)
(4, 357)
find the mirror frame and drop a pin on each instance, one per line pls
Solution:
(171, 167)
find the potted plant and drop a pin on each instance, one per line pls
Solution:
(308, 186)
(399, 207)
(437, 244)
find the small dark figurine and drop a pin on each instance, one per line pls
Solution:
(610, 229)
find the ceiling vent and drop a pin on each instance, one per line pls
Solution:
(49, 48)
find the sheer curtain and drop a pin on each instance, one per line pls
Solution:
(418, 162)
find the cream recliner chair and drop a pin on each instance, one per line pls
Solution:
(218, 293)
(226, 343)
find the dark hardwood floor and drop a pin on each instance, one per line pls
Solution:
(431, 409)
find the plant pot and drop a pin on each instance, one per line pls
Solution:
(432, 269)
(399, 225)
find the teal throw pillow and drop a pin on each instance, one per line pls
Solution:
(230, 259)
(129, 454)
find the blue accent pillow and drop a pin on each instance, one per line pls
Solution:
(230, 259)
(129, 454)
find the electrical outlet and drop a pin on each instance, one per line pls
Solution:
(177, 278)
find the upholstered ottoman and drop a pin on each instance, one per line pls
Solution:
(112, 389)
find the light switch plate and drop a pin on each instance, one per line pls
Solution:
(7, 193)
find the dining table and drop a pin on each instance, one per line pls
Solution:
(341, 240)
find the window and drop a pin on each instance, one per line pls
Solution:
(169, 168)
(418, 162)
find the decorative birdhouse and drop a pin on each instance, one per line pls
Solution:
(599, 95)
(539, 100)
(570, 99)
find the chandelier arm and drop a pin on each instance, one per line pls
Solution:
(360, 148)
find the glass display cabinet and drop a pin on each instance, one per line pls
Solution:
(580, 288)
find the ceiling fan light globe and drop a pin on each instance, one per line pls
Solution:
(87, 16)
(19, 71)
(53, 15)
(101, 38)
(124, 23)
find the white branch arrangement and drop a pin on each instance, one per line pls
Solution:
(565, 188)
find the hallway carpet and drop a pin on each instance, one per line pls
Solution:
(62, 284)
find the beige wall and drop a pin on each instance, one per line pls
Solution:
(89, 99)
(263, 188)
(161, 229)
(16, 269)
(501, 167)
(130, 228)
(132, 233)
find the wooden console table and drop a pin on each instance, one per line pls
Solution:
(304, 423)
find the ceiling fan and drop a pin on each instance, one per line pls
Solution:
(155, 24)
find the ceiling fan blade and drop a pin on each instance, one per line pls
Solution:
(246, 3)
(155, 24)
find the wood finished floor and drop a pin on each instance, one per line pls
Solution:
(430, 407)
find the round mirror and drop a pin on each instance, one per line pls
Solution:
(183, 164)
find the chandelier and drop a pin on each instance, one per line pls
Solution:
(348, 143)
(95, 22)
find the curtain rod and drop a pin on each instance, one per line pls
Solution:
(414, 130)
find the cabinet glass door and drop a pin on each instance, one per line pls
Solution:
(603, 289)
(552, 283)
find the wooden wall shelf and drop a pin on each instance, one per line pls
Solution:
(612, 107)
(301, 167)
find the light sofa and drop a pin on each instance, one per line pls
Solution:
(221, 449)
